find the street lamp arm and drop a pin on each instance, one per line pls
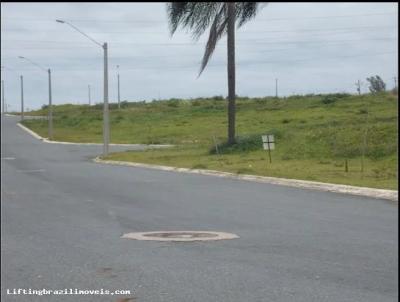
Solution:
(8, 68)
(78, 30)
(44, 69)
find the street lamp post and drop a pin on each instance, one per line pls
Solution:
(2, 97)
(22, 98)
(3, 102)
(106, 126)
(89, 95)
(119, 98)
(50, 109)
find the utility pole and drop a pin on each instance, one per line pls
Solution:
(276, 88)
(2, 97)
(358, 84)
(89, 94)
(22, 98)
(119, 99)
(395, 82)
(106, 127)
(50, 108)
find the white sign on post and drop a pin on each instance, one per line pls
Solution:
(268, 142)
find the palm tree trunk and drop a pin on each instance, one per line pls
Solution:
(231, 71)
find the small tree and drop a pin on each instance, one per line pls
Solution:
(376, 84)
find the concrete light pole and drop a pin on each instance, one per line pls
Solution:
(89, 94)
(3, 102)
(2, 98)
(119, 98)
(22, 98)
(106, 126)
(50, 108)
(50, 112)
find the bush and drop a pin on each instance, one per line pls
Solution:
(196, 103)
(124, 104)
(173, 103)
(218, 98)
(333, 97)
(243, 144)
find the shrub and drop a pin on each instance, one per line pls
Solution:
(243, 144)
(196, 103)
(173, 103)
(218, 98)
(333, 97)
(124, 104)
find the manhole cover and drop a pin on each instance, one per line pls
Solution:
(180, 236)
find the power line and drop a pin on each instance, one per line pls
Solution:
(158, 21)
(239, 32)
(324, 58)
(258, 41)
(239, 63)
(334, 16)
(197, 55)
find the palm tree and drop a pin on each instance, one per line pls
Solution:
(221, 17)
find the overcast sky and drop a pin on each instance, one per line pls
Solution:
(309, 47)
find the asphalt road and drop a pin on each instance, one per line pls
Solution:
(62, 217)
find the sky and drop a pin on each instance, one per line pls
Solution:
(308, 47)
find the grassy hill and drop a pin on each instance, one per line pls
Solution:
(315, 135)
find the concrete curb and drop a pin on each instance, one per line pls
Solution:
(34, 134)
(27, 116)
(46, 140)
(320, 186)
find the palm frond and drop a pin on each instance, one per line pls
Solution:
(218, 28)
(197, 17)
(175, 11)
(245, 11)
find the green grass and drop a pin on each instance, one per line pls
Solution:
(315, 134)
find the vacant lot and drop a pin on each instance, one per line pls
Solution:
(315, 135)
